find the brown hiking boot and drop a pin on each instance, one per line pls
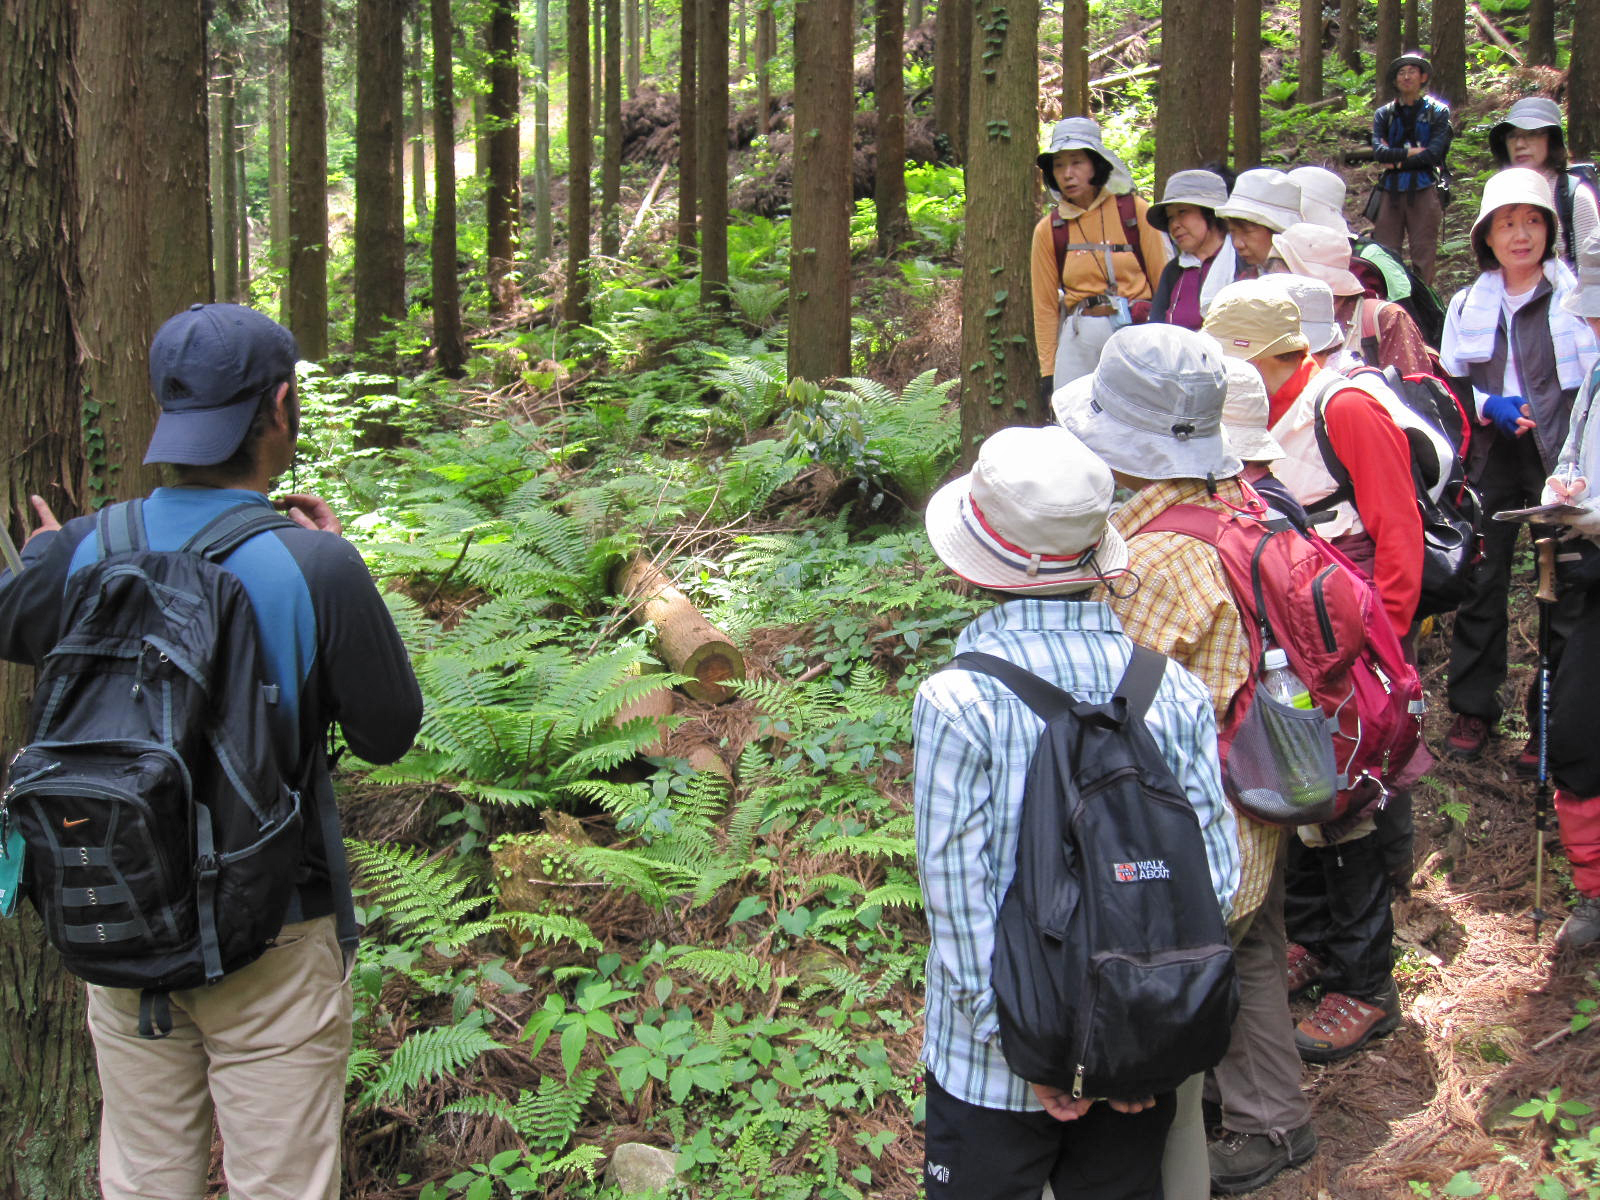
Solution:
(1582, 926)
(1467, 737)
(1304, 969)
(1243, 1162)
(1342, 1025)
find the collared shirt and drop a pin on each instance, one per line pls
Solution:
(1183, 608)
(974, 740)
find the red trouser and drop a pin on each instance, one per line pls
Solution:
(1580, 834)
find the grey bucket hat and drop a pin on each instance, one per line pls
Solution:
(1083, 133)
(1153, 407)
(1202, 189)
(1314, 299)
(1531, 112)
(1585, 301)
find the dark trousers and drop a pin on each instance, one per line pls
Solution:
(975, 1153)
(1511, 477)
(1337, 905)
(1574, 746)
(1412, 217)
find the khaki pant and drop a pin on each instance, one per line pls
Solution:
(265, 1050)
(1416, 216)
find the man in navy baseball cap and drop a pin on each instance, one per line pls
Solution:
(210, 368)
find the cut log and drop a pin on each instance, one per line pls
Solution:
(656, 705)
(690, 644)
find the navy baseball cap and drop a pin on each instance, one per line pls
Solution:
(209, 368)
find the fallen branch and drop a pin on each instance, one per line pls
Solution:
(1124, 76)
(644, 207)
(1107, 51)
(1495, 36)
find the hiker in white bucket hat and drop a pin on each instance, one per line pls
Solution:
(1525, 356)
(1095, 254)
(1263, 202)
(1030, 523)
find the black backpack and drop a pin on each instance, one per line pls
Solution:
(1112, 969)
(163, 833)
(1423, 303)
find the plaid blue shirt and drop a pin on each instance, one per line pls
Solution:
(974, 740)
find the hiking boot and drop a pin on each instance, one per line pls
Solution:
(1582, 926)
(1527, 764)
(1343, 1024)
(1242, 1162)
(1303, 970)
(1467, 737)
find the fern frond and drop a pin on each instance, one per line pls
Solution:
(426, 1056)
(719, 966)
(552, 928)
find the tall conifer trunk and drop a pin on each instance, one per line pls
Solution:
(576, 308)
(1449, 56)
(1246, 84)
(712, 112)
(1309, 89)
(1191, 120)
(380, 278)
(308, 181)
(1583, 84)
(178, 215)
(449, 348)
(1074, 58)
(889, 94)
(688, 128)
(543, 226)
(1350, 33)
(1386, 47)
(611, 164)
(503, 203)
(1542, 31)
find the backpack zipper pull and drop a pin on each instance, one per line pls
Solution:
(1077, 1084)
(138, 674)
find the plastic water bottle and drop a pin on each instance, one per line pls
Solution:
(1282, 683)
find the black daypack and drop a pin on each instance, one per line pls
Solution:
(1577, 175)
(163, 833)
(1112, 969)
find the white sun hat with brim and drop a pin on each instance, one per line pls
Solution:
(1083, 133)
(1265, 196)
(1513, 185)
(1585, 300)
(1244, 414)
(1318, 253)
(1153, 407)
(1322, 194)
(1251, 318)
(1199, 189)
(1315, 301)
(1030, 517)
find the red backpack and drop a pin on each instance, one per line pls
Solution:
(1301, 594)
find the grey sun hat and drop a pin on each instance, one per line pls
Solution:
(1411, 58)
(1153, 407)
(1265, 196)
(1322, 194)
(1531, 112)
(1585, 301)
(1314, 299)
(1083, 133)
(1202, 189)
(1030, 517)
(1245, 412)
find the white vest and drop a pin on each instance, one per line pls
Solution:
(1302, 469)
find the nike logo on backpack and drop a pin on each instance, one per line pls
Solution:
(69, 824)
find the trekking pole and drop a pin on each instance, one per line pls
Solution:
(1546, 596)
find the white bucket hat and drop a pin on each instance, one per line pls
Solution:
(1315, 301)
(1244, 414)
(1585, 301)
(1266, 197)
(1030, 517)
(1317, 252)
(1153, 407)
(1082, 133)
(1322, 194)
(1514, 185)
(1531, 112)
(1202, 189)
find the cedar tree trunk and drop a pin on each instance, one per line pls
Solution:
(1074, 57)
(1246, 84)
(178, 214)
(952, 87)
(380, 264)
(1309, 90)
(1350, 33)
(576, 309)
(449, 348)
(1191, 120)
(1449, 56)
(1387, 46)
(502, 203)
(1583, 84)
(543, 229)
(611, 161)
(688, 129)
(308, 181)
(712, 114)
(889, 94)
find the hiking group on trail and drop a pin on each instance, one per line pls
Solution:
(1164, 787)
(1275, 456)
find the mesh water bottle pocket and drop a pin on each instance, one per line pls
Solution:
(1280, 766)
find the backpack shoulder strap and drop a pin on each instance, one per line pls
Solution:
(1130, 226)
(1059, 235)
(1044, 698)
(121, 528)
(1141, 680)
(1344, 489)
(229, 530)
(1190, 519)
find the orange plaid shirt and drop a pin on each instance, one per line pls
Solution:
(1184, 609)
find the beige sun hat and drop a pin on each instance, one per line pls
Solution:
(1030, 517)
(1265, 196)
(1513, 185)
(1244, 414)
(1317, 252)
(1315, 301)
(1322, 194)
(1255, 317)
(1585, 301)
(1153, 407)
